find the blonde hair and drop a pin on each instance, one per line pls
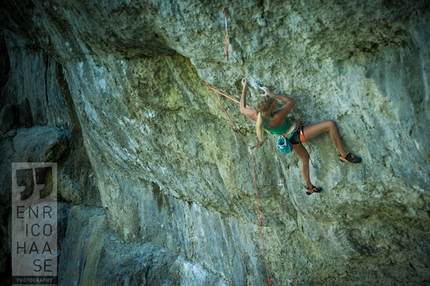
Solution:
(264, 105)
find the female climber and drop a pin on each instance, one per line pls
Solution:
(275, 120)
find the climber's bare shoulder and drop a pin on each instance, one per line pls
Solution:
(249, 112)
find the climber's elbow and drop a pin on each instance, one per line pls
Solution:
(292, 101)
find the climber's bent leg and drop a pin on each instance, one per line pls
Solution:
(314, 130)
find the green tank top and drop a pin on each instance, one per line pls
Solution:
(279, 129)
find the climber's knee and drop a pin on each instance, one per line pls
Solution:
(329, 125)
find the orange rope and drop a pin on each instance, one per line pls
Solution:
(260, 215)
(223, 94)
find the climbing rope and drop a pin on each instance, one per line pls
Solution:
(260, 215)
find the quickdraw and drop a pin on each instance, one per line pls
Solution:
(225, 11)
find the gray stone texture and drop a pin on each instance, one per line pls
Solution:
(159, 183)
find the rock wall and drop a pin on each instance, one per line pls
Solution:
(155, 169)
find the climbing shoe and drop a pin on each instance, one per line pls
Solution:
(350, 158)
(313, 189)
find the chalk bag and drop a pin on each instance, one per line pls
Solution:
(284, 145)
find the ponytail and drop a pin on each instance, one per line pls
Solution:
(265, 104)
(259, 127)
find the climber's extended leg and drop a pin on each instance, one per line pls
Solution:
(303, 154)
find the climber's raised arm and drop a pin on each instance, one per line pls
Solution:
(288, 103)
(248, 111)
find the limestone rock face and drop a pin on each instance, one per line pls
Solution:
(135, 263)
(151, 145)
(37, 144)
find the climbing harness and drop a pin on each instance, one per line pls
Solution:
(260, 215)
(225, 12)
